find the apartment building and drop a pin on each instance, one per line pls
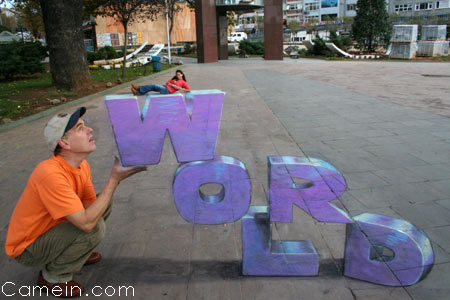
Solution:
(305, 11)
(293, 11)
(420, 8)
(347, 8)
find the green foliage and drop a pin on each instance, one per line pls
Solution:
(17, 103)
(30, 13)
(4, 28)
(106, 52)
(248, 47)
(320, 48)
(371, 26)
(341, 42)
(189, 48)
(294, 25)
(21, 58)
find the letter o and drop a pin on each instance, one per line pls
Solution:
(228, 206)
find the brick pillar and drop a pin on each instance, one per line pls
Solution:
(273, 29)
(206, 30)
(222, 33)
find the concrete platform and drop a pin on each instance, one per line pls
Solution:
(384, 125)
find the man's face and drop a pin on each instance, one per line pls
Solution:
(80, 138)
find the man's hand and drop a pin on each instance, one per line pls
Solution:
(119, 173)
(87, 218)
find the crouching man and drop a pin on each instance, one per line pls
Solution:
(59, 221)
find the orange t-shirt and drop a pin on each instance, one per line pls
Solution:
(54, 190)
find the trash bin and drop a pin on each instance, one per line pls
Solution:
(156, 63)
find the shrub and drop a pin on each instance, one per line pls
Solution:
(91, 56)
(21, 58)
(341, 42)
(106, 52)
(247, 47)
(320, 48)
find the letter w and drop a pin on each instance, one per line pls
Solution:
(140, 140)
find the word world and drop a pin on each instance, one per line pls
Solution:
(378, 249)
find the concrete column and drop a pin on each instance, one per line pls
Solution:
(206, 30)
(273, 29)
(222, 33)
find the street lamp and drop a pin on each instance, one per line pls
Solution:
(168, 31)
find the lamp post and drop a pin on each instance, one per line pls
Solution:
(168, 31)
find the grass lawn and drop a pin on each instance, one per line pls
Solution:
(24, 96)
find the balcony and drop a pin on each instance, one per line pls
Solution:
(293, 11)
(240, 4)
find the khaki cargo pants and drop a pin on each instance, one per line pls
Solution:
(63, 249)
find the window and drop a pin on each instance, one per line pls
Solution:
(115, 39)
(351, 7)
(311, 6)
(403, 7)
(442, 4)
(424, 6)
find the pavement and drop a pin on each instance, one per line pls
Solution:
(385, 125)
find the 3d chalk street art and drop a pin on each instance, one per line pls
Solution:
(378, 249)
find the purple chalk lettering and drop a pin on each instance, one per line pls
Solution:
(140, 141)
(263, 257)
(323, 184)
(229, 205)
(388, 251)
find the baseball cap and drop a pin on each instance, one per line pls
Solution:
(59, 125)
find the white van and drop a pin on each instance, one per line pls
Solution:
(237, 37)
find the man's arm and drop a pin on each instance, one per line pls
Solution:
(87, 218)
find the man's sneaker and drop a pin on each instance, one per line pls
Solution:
(68, 289)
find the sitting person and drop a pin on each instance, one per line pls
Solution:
(177, 83)
(59, 220)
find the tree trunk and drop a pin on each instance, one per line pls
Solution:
(65, 41)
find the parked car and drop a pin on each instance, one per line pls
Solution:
(237, 37)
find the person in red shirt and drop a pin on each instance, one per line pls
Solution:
(176, 84)
(59, 220)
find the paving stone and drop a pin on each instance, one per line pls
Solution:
(424, 215)
(383, 293)
(436, 285)
(360, 180)
(398, 176)
(432, 172)
(440, 235)
(445, 203)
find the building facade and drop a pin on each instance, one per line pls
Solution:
(420, 8)
(111, 33)
(316, 11)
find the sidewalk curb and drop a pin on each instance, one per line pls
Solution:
(81, 100)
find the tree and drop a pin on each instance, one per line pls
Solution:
(126, 12)
(65, 41)
(31, 14)
(231, 22)
(294, 25)
(8, 21)
(371, 26)
(173, 7)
